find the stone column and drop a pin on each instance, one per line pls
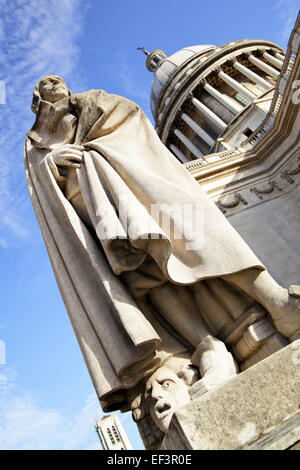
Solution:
(263, 66)
(200, 132)
(252, 75)
(270, 58)
(235, 108)
(279, 56)
(236, 86)
(179, 154)
(210, 115)
(188, 143)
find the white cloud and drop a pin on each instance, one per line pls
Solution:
(36, 39)
(26, 425)
(288, 10)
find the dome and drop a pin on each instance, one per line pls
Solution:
(168, 65)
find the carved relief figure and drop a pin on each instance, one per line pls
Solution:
(171, 387)
(167, 390)
(135, 294)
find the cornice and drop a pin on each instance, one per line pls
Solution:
(262, 191)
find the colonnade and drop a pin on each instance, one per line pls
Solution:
(209, 116)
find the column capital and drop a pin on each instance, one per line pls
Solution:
(202, 82)
(259, 52)
(216, 70)
(172, 129)
(190, 96)
(245, 55)
(231, 61)
(179, 114)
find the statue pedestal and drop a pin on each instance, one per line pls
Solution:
(257, 409)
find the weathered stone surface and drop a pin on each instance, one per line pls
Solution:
(284, 437)
(248, 406)
(294, 290)
(295, 446)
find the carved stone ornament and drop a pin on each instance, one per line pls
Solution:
(268, 189)
(287, 174)
(227, 204)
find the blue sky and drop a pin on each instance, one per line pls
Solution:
(46, 397)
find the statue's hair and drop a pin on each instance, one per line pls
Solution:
(37, 97)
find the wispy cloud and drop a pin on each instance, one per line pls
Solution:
(287, 10)
(36, 39)
(25, 424)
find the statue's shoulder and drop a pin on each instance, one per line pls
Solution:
(100, 98)
(28, 143)
(122, 99)
(77, 99)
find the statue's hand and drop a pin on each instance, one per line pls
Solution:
(68, 155)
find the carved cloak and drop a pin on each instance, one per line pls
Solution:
(90, 246)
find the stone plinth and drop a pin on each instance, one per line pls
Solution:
(260, 405)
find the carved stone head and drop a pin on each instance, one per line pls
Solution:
(167, 390)
(51, 88)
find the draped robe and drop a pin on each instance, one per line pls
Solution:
(105, 265)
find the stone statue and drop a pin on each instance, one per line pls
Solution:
(136, 294)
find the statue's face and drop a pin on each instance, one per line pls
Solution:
(53, 89)
(168, 392)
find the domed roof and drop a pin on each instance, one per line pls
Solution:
(167, 66)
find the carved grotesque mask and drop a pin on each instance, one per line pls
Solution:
(167, 390)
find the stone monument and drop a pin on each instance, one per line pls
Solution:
(157, 298)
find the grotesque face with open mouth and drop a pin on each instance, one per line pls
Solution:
(167, 392)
